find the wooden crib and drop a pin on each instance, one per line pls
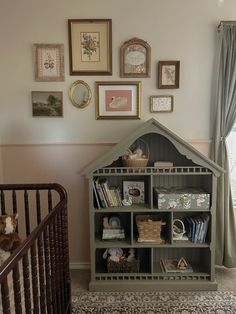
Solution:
(35, 278)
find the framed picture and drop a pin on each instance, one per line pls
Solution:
(134, 189)
(49, 62)
(135, 56)
(47, 104)
(168, 74)
(162, 103)
(118, 100)
(90, 46)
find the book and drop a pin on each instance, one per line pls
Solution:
(170, 266)
(96, 198)
(100, 193)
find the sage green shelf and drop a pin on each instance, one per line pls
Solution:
(191, 169)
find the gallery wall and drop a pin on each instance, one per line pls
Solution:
(57, 149)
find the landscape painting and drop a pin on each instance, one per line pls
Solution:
(47, 104)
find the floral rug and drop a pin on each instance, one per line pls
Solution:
(222, 302)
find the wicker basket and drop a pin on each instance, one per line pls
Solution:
(137, 162)
(123, 267)
(149, 229)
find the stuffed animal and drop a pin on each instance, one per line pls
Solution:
(9, 238)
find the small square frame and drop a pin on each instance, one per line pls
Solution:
(135, 189)
(90, 46)
(168, 74)
(49, 62)
(47, 104)
(161, 103)
(118, 100)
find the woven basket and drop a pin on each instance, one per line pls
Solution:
(123, 267)
(137, 162)
(149, 229)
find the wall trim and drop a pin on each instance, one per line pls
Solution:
(79, 265)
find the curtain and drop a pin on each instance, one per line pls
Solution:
(225, 119)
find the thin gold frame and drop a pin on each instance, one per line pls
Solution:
(71, 90)
(137, 84)
(159, 97)
(123, 49)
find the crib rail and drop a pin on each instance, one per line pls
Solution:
(35, 279)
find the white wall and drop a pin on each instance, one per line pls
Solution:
(182, 30)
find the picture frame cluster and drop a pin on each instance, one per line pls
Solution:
(90, 53)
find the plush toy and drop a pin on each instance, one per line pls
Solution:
(115, 254)
(9, 238)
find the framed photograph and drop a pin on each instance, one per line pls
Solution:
(90, 46)
(168, 74)
(134, 189)
(162, 103)
(49, 62)
(135, 58)
(118, 100)
(47, 104)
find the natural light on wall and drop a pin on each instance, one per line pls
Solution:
(231, 141)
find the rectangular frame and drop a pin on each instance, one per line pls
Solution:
(43, 106)
(49, 62)
(161, 103)
(130, 189)
(118, 100)
(168, 74)
(90, 46)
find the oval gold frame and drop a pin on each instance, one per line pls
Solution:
(86, 101)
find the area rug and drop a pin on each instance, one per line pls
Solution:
(222, 302)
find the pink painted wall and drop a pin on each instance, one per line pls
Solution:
(62, 164)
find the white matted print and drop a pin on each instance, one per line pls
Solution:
(118, 100)
(161, 103)
(134, 189)
(49, 62)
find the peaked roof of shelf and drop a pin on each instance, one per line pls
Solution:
(153, 126)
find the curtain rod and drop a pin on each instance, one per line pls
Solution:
(225, 22)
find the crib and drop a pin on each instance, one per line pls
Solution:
(35, 278)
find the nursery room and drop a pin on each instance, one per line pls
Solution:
(118, 156)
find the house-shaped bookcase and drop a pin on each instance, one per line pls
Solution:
(185, 191)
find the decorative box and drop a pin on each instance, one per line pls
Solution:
(189, 198)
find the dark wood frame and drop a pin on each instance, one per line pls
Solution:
(176, 64)
(107, 71)
(135, 41)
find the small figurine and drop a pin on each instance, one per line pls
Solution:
(127, 201)
(131, 256)
(182, 264)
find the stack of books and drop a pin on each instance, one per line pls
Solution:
(105, 196)
(197, 227)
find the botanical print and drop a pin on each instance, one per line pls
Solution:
(162, 104)
(49, 62)
(47, 104)
(168, 75)
(90, 46)
(118, 100)
(135, 59)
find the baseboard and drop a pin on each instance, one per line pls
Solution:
(79, 265)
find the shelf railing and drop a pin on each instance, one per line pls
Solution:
(152, 170)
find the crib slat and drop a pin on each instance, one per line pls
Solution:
(2, 202)
(26, 276)
(47, 270)
(60, 266)
(66, 254)
(34, 273)
(5, 297)
(57, 264)
(38, 206)
(41, 275)
(14, 205)
(17, 289)
(49, 200)
(27, 220)
(53, 264)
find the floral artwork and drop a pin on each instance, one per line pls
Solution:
(49, 62)
(90, 46)
(168, 75)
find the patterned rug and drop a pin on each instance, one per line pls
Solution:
(222, 302)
